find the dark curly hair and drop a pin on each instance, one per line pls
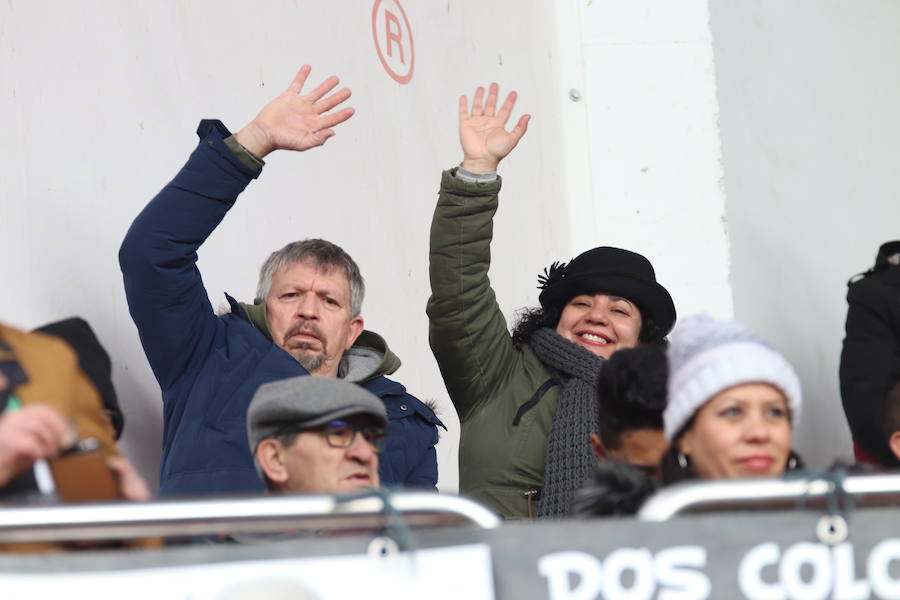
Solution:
(614, 488)
(529, 321)
(632, 387)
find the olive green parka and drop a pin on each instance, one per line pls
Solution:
(503, 442)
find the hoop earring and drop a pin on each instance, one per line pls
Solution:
(682, 460)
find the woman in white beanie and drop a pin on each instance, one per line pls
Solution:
(732, 404)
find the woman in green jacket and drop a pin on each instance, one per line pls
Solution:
(528, 401)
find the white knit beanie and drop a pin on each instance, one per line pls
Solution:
(708, 356)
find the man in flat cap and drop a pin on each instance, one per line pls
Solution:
(316, 435)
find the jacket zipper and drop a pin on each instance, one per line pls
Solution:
(530, 496)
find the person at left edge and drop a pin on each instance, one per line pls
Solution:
(305, 320)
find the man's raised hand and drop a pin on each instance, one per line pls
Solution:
(482, 131)
(296, 122)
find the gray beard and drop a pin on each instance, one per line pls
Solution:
(311, 363)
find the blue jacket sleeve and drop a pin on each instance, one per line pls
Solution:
(410, 459)
(424, 474)
(158, 257)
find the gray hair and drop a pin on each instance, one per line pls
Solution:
(324, 255)
(286, 440)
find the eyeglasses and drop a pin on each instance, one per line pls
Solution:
(341, 434)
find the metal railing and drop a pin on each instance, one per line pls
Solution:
(183, 518)
(768, 494)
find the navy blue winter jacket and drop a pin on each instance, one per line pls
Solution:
(209, 367)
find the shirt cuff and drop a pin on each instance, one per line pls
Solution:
(475, 177)
(245, 156)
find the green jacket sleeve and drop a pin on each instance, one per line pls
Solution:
(467, 330)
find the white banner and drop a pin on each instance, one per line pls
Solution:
(438, 574)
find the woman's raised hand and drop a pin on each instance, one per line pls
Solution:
(482, 131)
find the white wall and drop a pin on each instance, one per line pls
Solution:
(809, 94)
(655, 161)
(99, 101)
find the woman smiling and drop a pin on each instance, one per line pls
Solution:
(527, 402)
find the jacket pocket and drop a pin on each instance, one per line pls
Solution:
(533, 401)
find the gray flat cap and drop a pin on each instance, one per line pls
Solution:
(307, 401)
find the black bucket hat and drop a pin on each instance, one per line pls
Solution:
(614, 271)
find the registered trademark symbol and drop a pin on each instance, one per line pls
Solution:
(393, 39)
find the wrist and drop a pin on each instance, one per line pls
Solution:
(480, 166)
(254, 139)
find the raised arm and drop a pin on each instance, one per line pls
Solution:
(468, 332)
(158, 257)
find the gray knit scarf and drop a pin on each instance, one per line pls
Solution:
(569, 454)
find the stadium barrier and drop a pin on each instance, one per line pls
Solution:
(768, 546)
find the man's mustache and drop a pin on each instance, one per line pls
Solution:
(305, 329)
